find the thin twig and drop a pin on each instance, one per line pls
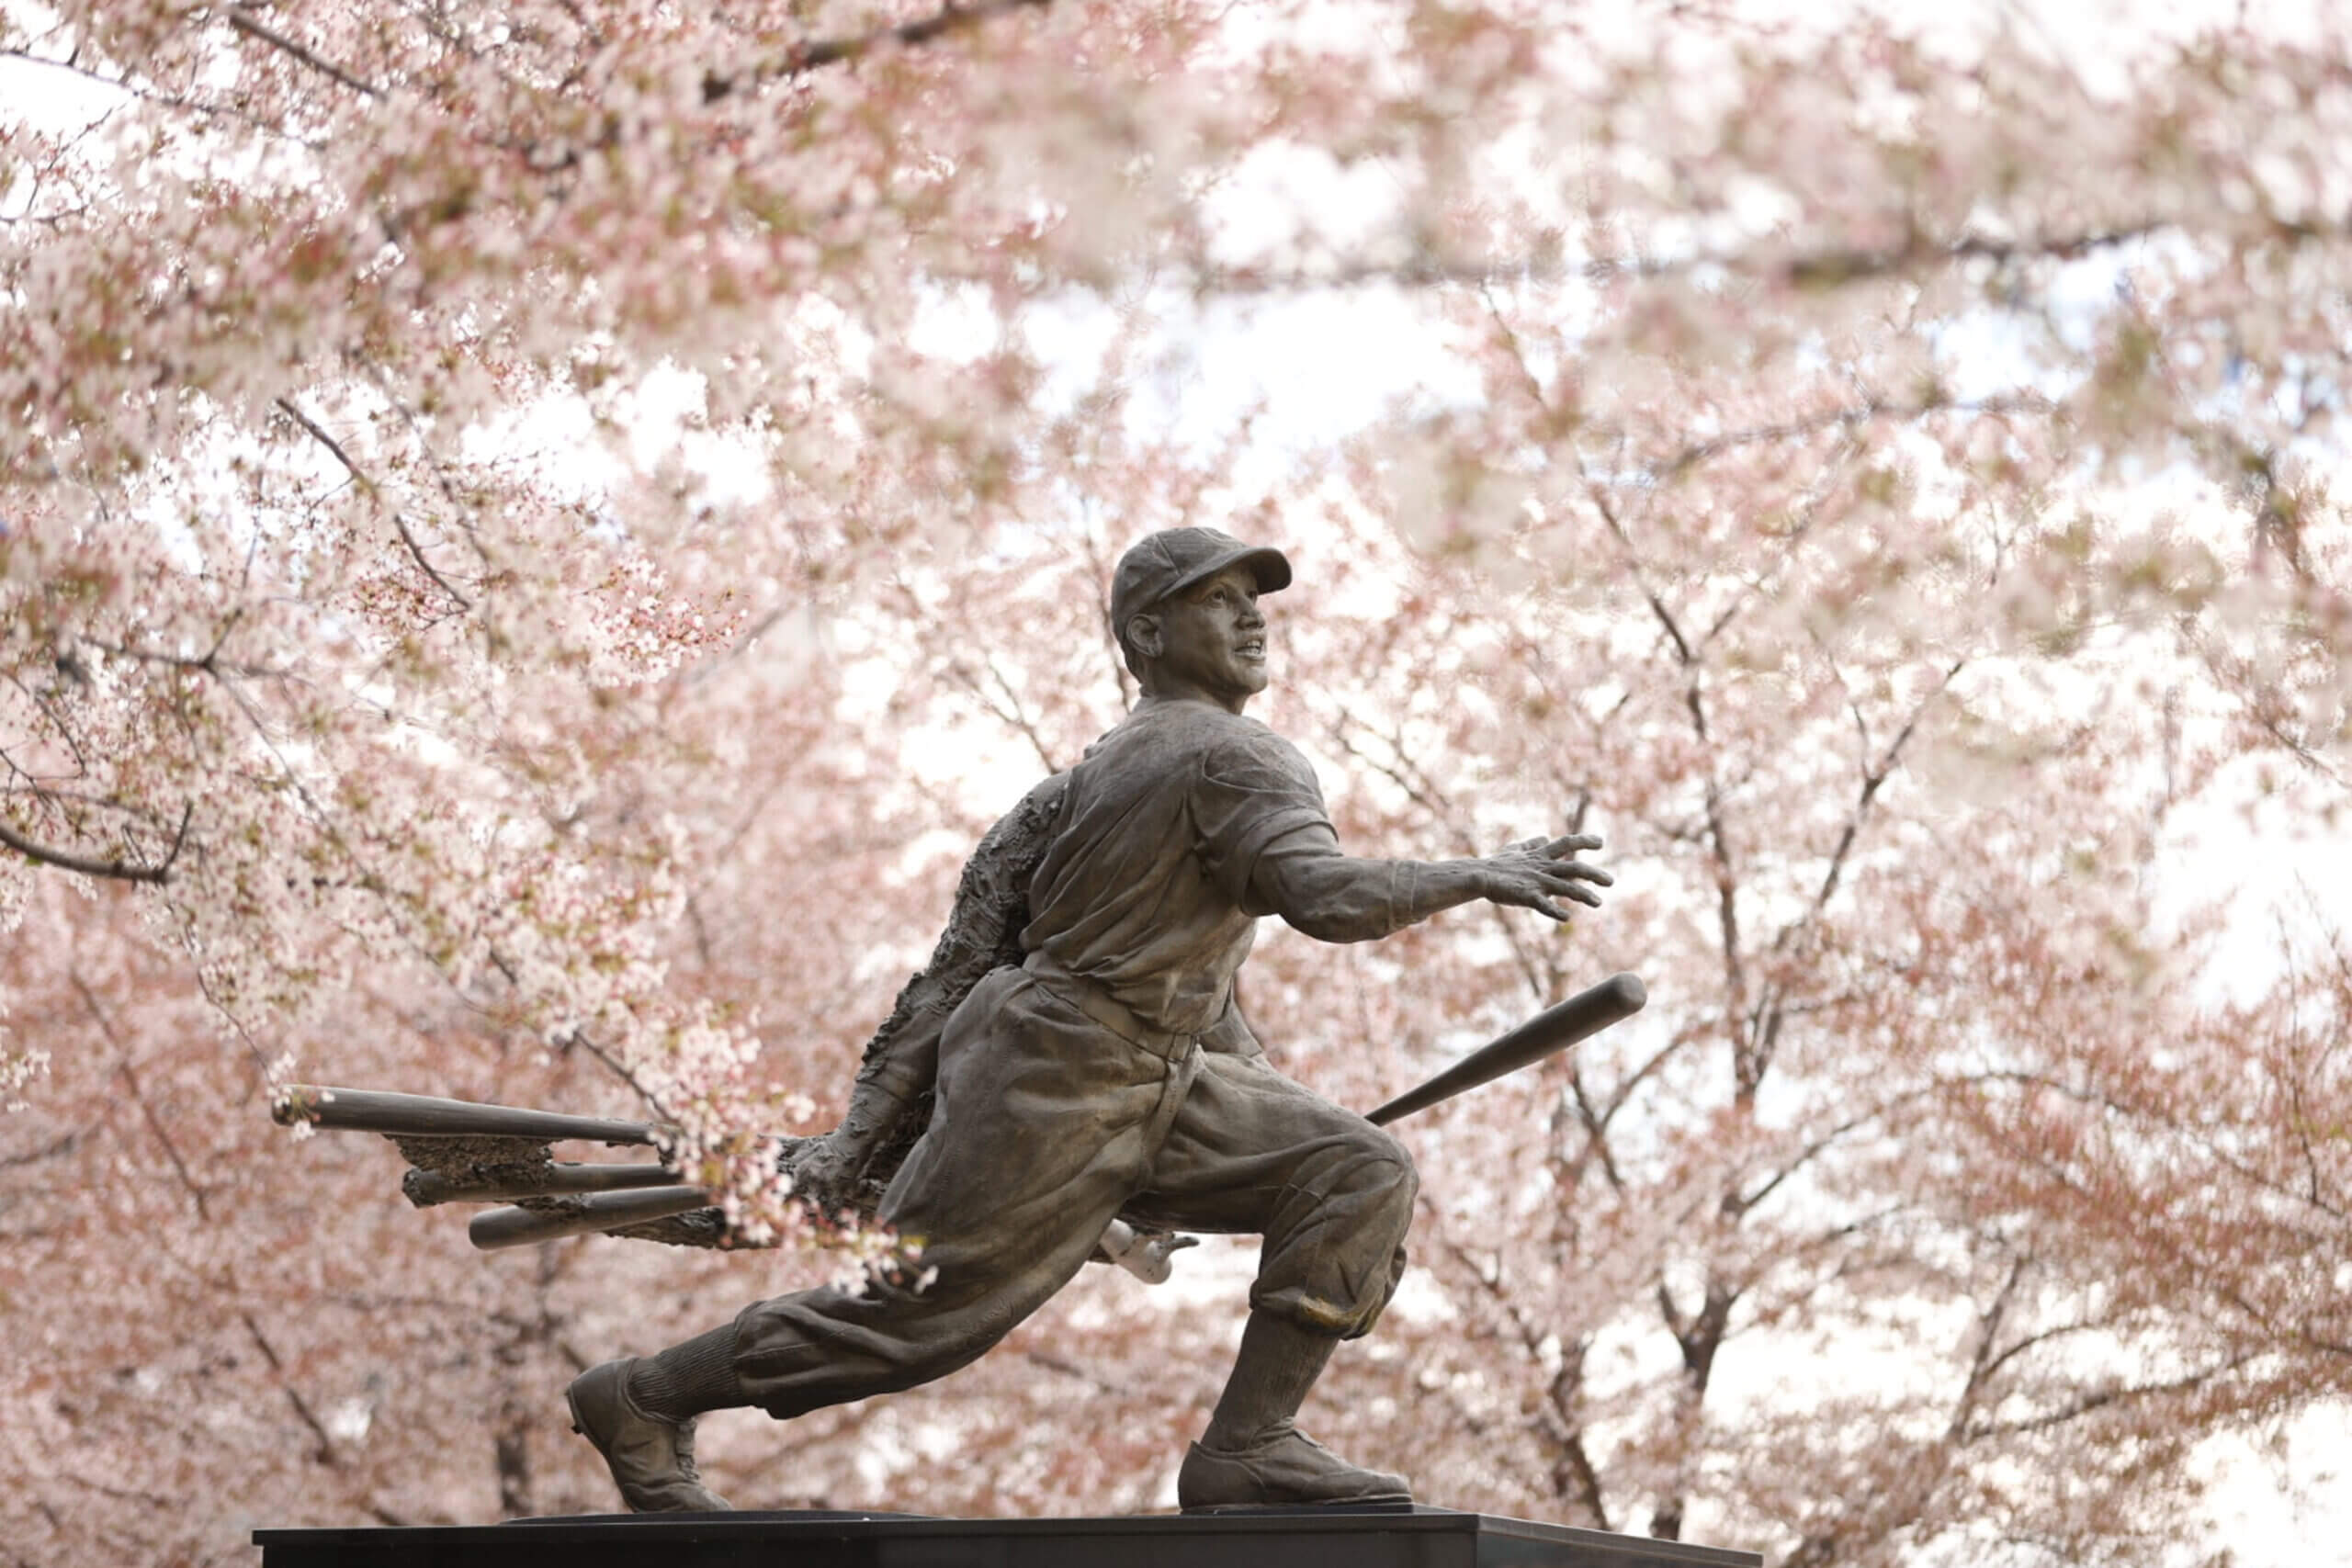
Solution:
(335, 448)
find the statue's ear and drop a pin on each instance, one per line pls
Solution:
(1143, 636)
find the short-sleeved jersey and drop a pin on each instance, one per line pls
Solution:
(1145, 888)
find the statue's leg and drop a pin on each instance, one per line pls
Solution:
(1333, 1196)
(1043, 1125)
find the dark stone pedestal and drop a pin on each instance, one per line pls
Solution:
(1320, 1538)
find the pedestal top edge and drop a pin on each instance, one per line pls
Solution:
(784, 1526)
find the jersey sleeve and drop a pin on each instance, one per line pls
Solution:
(1252, 790)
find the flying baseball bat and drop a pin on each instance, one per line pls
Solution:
(426, 1188)
(493, 1229)
(425, 1116)
(1582, 1016)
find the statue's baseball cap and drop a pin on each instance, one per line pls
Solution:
(1174, 559)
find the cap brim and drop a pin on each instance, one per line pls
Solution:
(1266, 564)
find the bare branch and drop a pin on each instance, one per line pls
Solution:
(327, 1453)
(63, 1143)
(242, 20)
(210, 662)
(334, 449)
(1736, 1203)
(1011, 710)
(188, 1183)
(1874, 777)
(1830, 269)
(110, 870)
(1813, 271)
(805, 58)
(2044, 1337)
(148, 94)
(2098, 1399)
(1845, 418)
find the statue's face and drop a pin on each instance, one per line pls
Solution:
(1213, 640)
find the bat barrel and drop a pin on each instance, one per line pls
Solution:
(426, 1188)
(493, 1229)
(425, 1116)
(1557, 1028)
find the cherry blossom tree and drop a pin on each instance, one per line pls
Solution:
(533, 539)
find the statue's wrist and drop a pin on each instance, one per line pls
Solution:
(873, 1110)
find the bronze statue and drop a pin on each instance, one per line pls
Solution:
(1067, 1079)
(1110, 1072)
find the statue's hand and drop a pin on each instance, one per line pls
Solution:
(828, 1175)
(1534, 872)
(832, 1172)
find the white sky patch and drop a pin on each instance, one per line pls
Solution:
(956, 324)
(2276, 856)
(1315, 366)
(1301, 210)
(51, 99)
(2280, 1498)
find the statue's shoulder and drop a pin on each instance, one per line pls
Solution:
(1190, 729)
(1245, 748)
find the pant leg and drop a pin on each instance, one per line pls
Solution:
(1252, 1150)
(1043, 1125)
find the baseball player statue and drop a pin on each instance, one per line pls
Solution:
(1109, 1075)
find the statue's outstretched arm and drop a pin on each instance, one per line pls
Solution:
(1306, 879)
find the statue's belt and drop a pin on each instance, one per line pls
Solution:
(1096, 1002)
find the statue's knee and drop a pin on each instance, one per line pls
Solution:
(1391, 1166)
(1381, 1177)
(1404, 1187)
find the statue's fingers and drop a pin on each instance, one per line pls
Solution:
(1576, 890)
(1560, 848)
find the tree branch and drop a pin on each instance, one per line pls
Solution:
(326, 1452)
(1810, 270)
(149, 95)
(1842, 419)
(110, 870)
(242, 20)
(804, 58)
(1010, 712)
(1736, 1203)
(2098, 1399)
(188, 1183)
(1830, 269)
(334, 449)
